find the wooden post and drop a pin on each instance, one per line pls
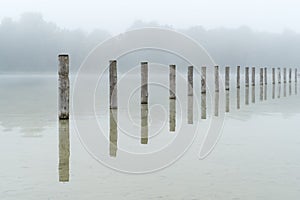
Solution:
(261, 76)
(253, 76)
(273, 75)
(290, 75)
(238, 98)
(279, 75)
(238, 77)
(113, 79)
(284, 75)
(296, 75)
(190, 80)
(247, 77)
(227, 71)
(172, 81)
(203, 80)
(217, 78)
(144, 82)
(63, 86)
(266, 76)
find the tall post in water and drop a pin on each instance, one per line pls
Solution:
(63, 86)
(266, 76)
(172, 81)
(279, 75)
(296, 75)
(227, 71)
(217, 78)
(273, 75)
(290, 75)
(284, 75)
(190, 80)
(144, 82)
(238, 77)
(113, 89)
(247, 77)
(253, 76)
(203, 93)
(203, 80)
(261, 80)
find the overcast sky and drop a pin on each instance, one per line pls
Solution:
(117, 15)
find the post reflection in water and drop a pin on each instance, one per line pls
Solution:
(290, 89)
(238, 98)
(203, 106)
(113, 132)
(261, 92)
(253, 94)
(64, 150)
(144, 123)
(296, 89)
(284, 89)
(190, 109)
(273, 91)
(217, 97)
(265, 92)
(227, 101)
(247, 95)
(279, 91)
(172, 111)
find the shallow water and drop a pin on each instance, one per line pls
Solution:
(257, 156)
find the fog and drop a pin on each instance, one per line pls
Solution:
(31, 44)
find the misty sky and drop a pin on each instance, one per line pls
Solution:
(116, 16)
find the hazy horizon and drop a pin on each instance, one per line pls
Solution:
(274, 16)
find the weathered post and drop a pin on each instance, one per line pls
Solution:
(144, 82)
(247, 77)
(238, 77)
(227, 71)
(216, 78)
(273, 75)
(266, 76)
(253, 76)
(284, 75)
(296, 75)
(261, 76)
(190, 80)
(203, 93)
(113, 79)
(203, 80)
(172, 81)
(290, 75)
(279, 75)
(63, 86)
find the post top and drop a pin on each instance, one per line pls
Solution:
(112, 61)
(144, 63)
(63, 55)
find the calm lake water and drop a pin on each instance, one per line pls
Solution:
(257, 156)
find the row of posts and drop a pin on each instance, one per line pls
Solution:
(63, 73)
